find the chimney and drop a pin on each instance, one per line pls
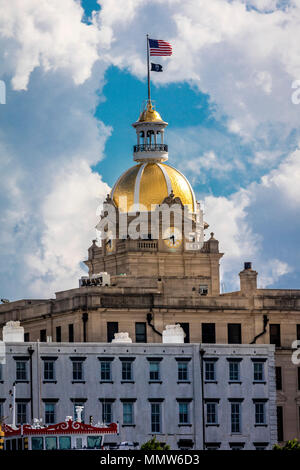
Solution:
(13, 333)
(173, 334)
(248, 279)
(122, 338)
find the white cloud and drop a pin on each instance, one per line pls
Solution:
(49, 140)
(69, 215)
(260, 224)
(243, 58)
(39, 33)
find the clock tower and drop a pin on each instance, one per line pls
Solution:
(163, 241)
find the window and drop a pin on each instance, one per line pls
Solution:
(105, 371)
(126, 370)
(26, 337)
(21, 413)
(94, 442)
(71, 333)
(235, 417)
(211, 413)
(298, 332)
(112, 328)
(140, 333)
(186, 329)
(234, 333)
(43, 336)
(260, 414)
(49, 413)
(64, 442)
(155, 417)
(208, 333)
(21, 370)
(258, 371)
(184, 413)
(1, 411)
(77, 371)
(154, 371)
(127, 413)
(58, 334)
(49, 370)
(37, 443)
(275, 334)
(279, 378)
(107, 416)
(210, 371)
(234, 371)
(279, 423)
(50, 443)
(183, 371)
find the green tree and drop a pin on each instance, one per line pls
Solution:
(293, 444)
(153, 444)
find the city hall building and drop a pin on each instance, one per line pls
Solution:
(140, 285)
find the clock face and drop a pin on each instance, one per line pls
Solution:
(172, 237)
(109, 243)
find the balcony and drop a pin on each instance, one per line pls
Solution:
(150, 148)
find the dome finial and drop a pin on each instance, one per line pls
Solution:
(149, 114)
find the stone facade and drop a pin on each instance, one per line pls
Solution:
(117, 382)
(129, 302)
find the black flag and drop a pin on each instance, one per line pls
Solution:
(156, 67)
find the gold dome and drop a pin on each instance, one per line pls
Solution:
(149, 114)
(151, 183)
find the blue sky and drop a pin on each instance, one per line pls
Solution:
(76, 80)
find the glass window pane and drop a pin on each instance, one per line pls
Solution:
(211, 413)
(107, 412)
(51, 443)
(258, 371)
(210, 371)
(235, 417)
(94, 442)
(37, 443)
(154, 370)
(155, 417)
(127, 370)
(127, 413)
(105, 370)
(182, 371)
(234, 371)
(21, 371)
(183, 413)
(65, 442)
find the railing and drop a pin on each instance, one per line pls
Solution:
(150, 148)
(148, 246)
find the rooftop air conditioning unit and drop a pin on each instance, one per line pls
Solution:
(203, 290)
(95, 280)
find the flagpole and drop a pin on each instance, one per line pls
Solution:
(148, 69)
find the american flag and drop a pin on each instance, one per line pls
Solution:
(158, 47)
